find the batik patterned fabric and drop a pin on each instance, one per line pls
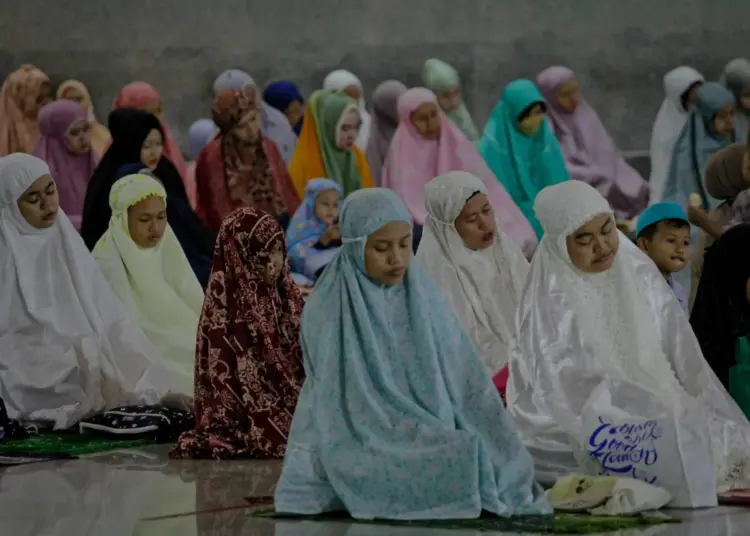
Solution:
(249, 369)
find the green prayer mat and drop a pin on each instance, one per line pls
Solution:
(554, 524)
(69, 443)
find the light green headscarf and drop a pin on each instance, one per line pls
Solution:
(157, 284)
(440, 77)
(328, 109)
(523, 164)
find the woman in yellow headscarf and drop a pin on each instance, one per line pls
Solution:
(147, 269)
(326, 146)
(77, 91)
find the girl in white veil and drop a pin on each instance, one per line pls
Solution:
(481, 279)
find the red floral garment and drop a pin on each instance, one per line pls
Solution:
(248, 370)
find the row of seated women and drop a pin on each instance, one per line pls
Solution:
(387, 371)
(406, 141)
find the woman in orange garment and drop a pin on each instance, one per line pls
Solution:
(326, 144)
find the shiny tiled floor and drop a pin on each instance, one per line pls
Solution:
(140, 492)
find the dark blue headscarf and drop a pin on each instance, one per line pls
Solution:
(281, 94)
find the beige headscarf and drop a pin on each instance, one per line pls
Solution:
(19, 108)
(100, 136)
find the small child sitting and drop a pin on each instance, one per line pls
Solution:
(663, 233)
(313, 237)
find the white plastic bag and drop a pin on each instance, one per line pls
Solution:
(628, 431)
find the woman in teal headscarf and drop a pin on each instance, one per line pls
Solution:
(520, 147)
(397, 418)
(443, 80)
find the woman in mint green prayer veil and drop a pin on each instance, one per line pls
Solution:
(397, 418)
(443, 79)
(520, 147)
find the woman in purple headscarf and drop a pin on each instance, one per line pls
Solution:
(383, 126)
(65, 145)
(590, 153)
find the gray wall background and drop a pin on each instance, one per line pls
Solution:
(620, 49)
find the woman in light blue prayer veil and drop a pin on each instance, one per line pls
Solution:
(700, 138)
(397, 418)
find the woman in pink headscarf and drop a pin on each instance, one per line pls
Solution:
(142, 96)
(65, 145)
(428, 144)
(23, 94)
(590, 153)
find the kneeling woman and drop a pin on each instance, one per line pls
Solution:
(596, 312)
(397, 418)
(479, 269)
(69, 348)
(147, 269)
(248, 371)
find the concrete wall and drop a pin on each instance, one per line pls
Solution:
(619, 48)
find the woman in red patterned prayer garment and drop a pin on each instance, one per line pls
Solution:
(248, 371)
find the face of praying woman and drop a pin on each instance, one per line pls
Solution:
(327, 206)
(354, 92)
(152, 149)
(724, 120)
(745, 99)
(568, 96)
(294, 112)
(78, 137)
(476, 223)
(388, 253)
(247, 129)
(531, 120)
(147, 221)
(348, 130)
(593, 246)
(426, 119)
(40, 203)
(669, 247)
(449, 100)
(275, 264)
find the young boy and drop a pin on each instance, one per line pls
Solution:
(663, 233)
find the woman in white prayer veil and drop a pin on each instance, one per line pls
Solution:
(594, 311)
(67, 347)
(480, 271)
(680, 86)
